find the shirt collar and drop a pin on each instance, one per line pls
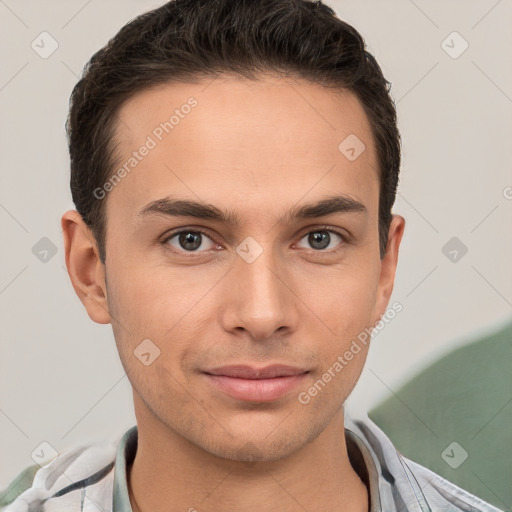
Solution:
(125, 456)
(359, 456)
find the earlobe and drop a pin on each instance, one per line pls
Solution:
(388, 265)
(85, 269)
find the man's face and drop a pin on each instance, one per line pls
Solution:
(264, 290)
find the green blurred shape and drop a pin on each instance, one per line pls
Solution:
(21, 483)
(464, 397)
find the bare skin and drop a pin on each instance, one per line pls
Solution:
(257, 149)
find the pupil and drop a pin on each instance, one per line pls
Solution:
(319, 237)
(190, 241)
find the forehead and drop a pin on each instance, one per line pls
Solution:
(229, 139)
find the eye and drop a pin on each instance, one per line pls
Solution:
(189, 241)
(321, 239)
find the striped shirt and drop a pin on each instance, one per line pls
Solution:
(93, 478)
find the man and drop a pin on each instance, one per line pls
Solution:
(234, 165)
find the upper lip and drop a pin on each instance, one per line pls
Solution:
(251, 372)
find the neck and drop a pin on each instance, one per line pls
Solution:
(170, 473)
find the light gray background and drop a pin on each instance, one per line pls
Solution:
(61, 379)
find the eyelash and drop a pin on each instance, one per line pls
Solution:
(344, 238)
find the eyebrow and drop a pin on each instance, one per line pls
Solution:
(184, 208)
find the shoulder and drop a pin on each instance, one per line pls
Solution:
(65, 478)
(399, 482)
(19, 484)
(441, 493)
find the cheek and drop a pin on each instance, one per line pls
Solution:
(157, 304)
(347, 299)
(346, 307)
(151, 300)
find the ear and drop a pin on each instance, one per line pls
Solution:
(388, 266)
(85, 268)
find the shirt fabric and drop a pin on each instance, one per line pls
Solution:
(93, 478)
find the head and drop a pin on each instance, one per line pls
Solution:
(276, 122)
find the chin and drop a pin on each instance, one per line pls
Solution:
(259, 444)
(252, 452)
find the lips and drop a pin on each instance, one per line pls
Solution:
(248, 372)
(249, 383)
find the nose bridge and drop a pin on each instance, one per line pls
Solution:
(261, 302)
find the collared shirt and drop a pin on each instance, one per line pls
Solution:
(93, 478)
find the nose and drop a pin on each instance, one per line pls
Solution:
(260, 298)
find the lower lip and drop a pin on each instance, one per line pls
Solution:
(256, 390)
